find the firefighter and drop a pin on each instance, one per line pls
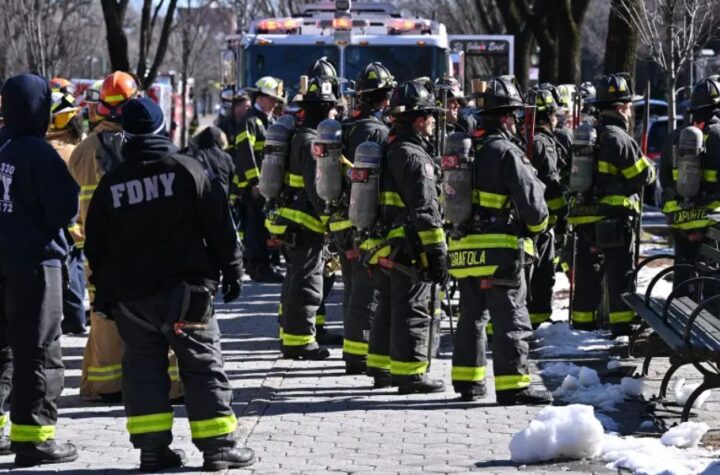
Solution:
(65, 132)
(249, 144)
(603, 217)
(689, 178)
(373, 87)
(298, 222)
(459, 118)
(417, 251)
(170, 304)
(564, 99)
(92, 99)
(39, 200)
(548, 159)
(208, 148)
(489, 250)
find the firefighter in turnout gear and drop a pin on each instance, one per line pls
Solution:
(171, 304)
(298, 221)
(415, 256)
(456, 102)
(689, 176)
(373, 87)
(603, 209)
(249, 145)
(548, 159)
(490, 250)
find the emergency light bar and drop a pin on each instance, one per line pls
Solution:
(398, 26)
(279, 25)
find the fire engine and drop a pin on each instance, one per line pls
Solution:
(352, 35)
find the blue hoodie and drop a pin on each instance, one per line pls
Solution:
(38, 197)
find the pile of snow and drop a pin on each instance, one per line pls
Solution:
(574, 432)
(562, 369)
(560, 340)
(614, 364)
(683, 392)
(585, 387)
(633, 386)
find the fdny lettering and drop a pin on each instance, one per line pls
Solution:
(689, 215)
(6, 178)
(466, 258)
(137, 191)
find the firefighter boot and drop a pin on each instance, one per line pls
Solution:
(474, 393)
(524, 397)
(382, 380)
(154, 460)
(227, 458)
(315, 354)
(28, 454)
(423, 386)
(325, 337)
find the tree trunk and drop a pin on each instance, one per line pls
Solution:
(149, 78)
(114, 14)
(621, 42)
(571, 17)
(523, 47)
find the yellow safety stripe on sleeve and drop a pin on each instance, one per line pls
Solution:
(584, 219)
(621, 317)
(355, 347)
(513, 381)
(408, 368)
(490, 200)
(105, 373)
(28, 433)
(276, 229)
(383, 252)
(337, 226)
(583, 317)
(243, 136)
(240, 184)
(556, 203)
(174, 373)
(536, 228)
(378, 361)
(476, 271)
(671, 206)
(468, 373)
(606, 167)
(431, 236)
(675, 174)
(710, 176)
(304, 219)
(3, 421)
(289, 339)
(80, 244)
(390, 198)
(371, 243)
(159, 422)
(294, 181)
(259, 146)
(232, 197)
(398, 232)
(620, 200)
(252, 173)
(86, 192)
(539, 317)
(213, 427)
(320, 319)
(636, 168)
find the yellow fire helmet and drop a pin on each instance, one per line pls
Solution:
(270, 86)
(62, 110)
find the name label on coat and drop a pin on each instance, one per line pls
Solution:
(141, 191)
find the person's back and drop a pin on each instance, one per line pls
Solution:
(208, 149)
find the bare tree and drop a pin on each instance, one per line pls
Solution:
(671, 31)
(622, 39)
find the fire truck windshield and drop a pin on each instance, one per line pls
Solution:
(404, 62)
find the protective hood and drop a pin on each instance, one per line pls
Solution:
(148, 148)
(26, 105)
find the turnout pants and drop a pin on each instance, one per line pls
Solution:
(257, 255)
(505, 307)
(147, 328)
(302, 293)
(74, 293)
(595, 268)
(378, 358)
(542, 280)
(30, 353)
(328, 282)
(358, 313)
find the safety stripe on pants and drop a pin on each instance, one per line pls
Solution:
(583, 317)
(511, 382)
(355, 347)
(378, 361)
(621, 317)
(159, 422)
(213, 427)
(468, 373)
(408, 368)
(27, 433)
(3, 421)
(289, 339)
(539, 317)
(105, 373)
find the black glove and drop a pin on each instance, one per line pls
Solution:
(438, 268)
(231, 288)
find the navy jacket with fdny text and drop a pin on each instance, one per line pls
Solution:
(155, 221)
(38, 197)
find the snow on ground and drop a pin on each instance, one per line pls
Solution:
(683, 392)
(559, 339)
(574, 432)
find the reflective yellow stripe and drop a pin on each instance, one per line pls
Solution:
(390, 198)
(371, 243)
(320, 319)
(383, 252)
(556, 203)
(607, 168)
(490, 200)
(408, 368)
(431, 236)
(621, 317)
(710, 176)
(697, 224)
(213, 427)
(584, 219)
(675, 174)
(355, 347)
(304, 219)
(295, 181)
(259, 146)
(583, 317)
(252, 173)
(510, 382)
(671, 206)
(540, 317)
(3, 421)
(620, 200)
(240, 184)
(636, 168)
(105, 373)
(477, 271)
(398, 232)
(276, 229)
(468, 373)
(243, 136)
(297, 340)
(115, 98)
(159, 422)
(536, 228)
(28, 433)
(80, 244)
(337, 226)
(485, 241)
(174, 373)
(378, 361)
